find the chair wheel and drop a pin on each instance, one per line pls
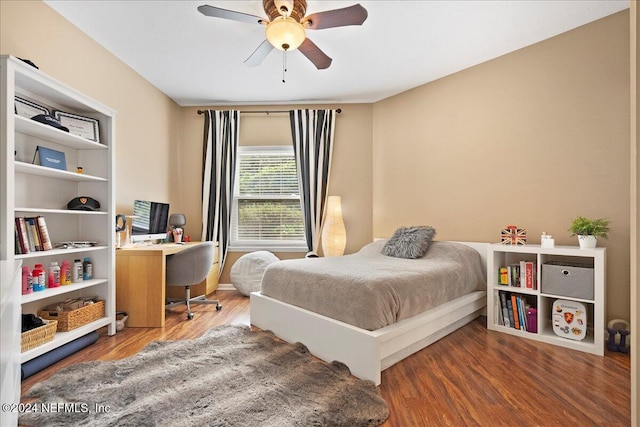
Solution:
(189, 316)
(218, 307)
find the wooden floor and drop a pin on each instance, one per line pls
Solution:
(473, 377)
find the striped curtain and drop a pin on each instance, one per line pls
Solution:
(312, 132)
(220, 149)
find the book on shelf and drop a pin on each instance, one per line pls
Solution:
(35, 235)
(22, 235)
(515, 275)
(522, 314)
(514, 308)
(510, 312)
(530, 275)
(32, 246)
(18, 251)
(505, 310)
(519, 275)
(497, 310)
(44, 234)
(32, 235)
(516, 312)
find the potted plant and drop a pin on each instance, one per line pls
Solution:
(589, 230)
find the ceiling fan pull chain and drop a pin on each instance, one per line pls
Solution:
(284, 64)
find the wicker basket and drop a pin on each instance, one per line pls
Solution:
(69, 320)
(38, 336)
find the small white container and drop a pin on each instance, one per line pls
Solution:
(547, 241)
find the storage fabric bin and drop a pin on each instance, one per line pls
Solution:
(569, 280)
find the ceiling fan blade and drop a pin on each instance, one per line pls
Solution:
(352, 15)
(259, 54)
(217, 12)
(314, 54)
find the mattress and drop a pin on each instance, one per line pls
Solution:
(370, 290)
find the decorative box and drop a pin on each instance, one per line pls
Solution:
(512, 235)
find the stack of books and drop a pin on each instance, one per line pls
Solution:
(513, 311)
(31, 235)
(521, 275)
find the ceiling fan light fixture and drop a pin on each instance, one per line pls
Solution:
(285, 33)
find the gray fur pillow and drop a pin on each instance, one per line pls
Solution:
(409, 242)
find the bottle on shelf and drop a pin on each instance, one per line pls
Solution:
(38, 278)
(87, 269)
(54, 274)
(65, 273)
(76, 271)
(27, 284)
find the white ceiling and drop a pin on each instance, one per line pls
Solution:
(198, 60)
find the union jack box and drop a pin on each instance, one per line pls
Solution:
(512, 235)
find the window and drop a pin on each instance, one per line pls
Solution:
(266, 210)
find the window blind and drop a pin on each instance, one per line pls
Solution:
(267, 196)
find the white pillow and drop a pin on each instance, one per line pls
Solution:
(247, 271)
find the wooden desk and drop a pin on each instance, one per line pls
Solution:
(141, 286)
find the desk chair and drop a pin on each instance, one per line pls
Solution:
(187, 268)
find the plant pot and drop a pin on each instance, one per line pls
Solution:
(587, 242)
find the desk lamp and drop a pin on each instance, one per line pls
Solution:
(177, 222)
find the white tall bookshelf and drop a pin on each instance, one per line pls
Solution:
(29, 190)
(10, 339)
(504, 255)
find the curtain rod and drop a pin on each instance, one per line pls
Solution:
(267, 111)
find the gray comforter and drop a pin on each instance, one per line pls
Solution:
(370, 290)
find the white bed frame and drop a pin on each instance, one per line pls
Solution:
(367, 353)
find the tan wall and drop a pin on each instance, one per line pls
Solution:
(533, 138)
(351, 172)
(146, 118)
(635, 213)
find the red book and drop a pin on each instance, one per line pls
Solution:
(529, 274)
(22, 234)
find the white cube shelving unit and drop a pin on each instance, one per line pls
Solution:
(504, 255)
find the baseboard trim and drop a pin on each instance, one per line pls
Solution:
(226, 287)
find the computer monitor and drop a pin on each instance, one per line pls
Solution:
(150, 220)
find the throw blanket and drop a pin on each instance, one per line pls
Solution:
(370, 290)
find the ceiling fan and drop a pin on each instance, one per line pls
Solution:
(286, 27)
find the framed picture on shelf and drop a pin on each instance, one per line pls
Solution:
(25, 108)
(50, 158)
(85, 127)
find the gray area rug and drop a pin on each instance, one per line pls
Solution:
(231, 376)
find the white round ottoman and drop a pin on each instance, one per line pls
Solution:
(247, 271)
